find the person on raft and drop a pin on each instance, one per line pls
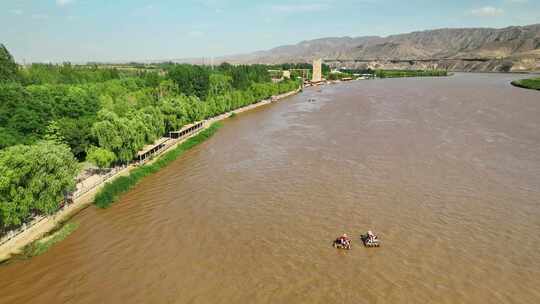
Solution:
(344, 240)
(371, 237)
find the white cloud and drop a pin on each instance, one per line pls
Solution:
(63, 2)
(487, 11)
(299, 8)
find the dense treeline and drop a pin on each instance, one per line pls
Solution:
(53, 115)
(66, 73)
(358, 71)
(26, 112)
(409, 73)
(339, 76)
(126, 133)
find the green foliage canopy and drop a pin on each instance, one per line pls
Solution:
(66, 73)
(409, 73)
(33, 179)
(191, 79)
(101, 157)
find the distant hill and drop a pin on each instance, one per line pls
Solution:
(515, 48)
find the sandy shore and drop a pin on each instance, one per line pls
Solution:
(41, 228)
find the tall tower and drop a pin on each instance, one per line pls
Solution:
(317, 70)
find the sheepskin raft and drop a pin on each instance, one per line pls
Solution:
(370, 240)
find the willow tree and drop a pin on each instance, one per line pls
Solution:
(174, 113)
(115, 134)
(101, 157)
(33, 180)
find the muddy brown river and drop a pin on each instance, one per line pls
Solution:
(445, 170)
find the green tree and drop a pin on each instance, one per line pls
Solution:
(101, 157)
(219, 84)
(33, 180)
(195, 109)
(174, 113)
(191, 79)
(124, 136)
(66, 73)
(114, 134)
(8, 68)
(76, 132)
(53, 133)
(167, 88)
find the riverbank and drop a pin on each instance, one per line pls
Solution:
(42, 245)
(112, 191)
(43, 225)
(410, 73)
(531, 83)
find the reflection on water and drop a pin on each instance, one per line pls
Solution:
(446, 170)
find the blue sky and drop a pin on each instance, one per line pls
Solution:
(101, 30)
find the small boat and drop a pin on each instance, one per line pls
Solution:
(342, 242)
(337, 244)
(370, 240)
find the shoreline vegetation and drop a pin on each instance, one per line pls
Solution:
(41, 245)
(530, 83)
(410, 73)
(112, 191)
(352, 74)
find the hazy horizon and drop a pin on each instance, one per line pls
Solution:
(83, 31)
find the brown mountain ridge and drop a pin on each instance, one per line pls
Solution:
(514, 48)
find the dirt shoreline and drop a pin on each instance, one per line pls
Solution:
(16, 244)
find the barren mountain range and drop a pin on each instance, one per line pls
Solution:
(515, 48)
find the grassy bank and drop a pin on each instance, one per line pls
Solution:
(41, 246)
(532, 83)
(113, 190)
(409, 73)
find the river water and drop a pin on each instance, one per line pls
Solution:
(445, 170)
